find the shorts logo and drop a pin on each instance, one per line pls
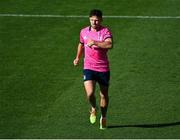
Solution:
(84, 77)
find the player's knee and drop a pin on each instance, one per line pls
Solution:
(104, 95)
(90, 94)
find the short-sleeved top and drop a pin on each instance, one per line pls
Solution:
(95, 58)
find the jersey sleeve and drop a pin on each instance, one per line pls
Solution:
(107, 34)
(81, 40)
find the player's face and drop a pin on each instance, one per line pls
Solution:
(95, 22)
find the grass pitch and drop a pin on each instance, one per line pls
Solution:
(41, 92)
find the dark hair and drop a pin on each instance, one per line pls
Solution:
(95, 12)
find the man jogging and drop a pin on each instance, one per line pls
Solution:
(95, 41)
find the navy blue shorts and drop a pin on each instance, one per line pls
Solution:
(101, 77)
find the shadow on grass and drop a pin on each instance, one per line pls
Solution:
(146, 125)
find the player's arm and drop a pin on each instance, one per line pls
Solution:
(106, 44)
(79, 54)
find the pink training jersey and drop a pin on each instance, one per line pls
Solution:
(95, 58)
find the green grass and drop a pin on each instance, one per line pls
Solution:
(42, 95)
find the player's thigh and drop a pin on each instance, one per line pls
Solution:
(103, 79)
(89, 86)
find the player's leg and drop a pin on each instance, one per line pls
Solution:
(90, 89)
(89, 84)
(104, 101)
(103, 80)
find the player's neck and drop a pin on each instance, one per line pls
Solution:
(95, 29)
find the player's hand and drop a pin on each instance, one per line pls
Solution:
(90, 43)
(76, 61)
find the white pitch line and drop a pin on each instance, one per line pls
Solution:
(84, 16)
(48, 16)
(145, 17)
